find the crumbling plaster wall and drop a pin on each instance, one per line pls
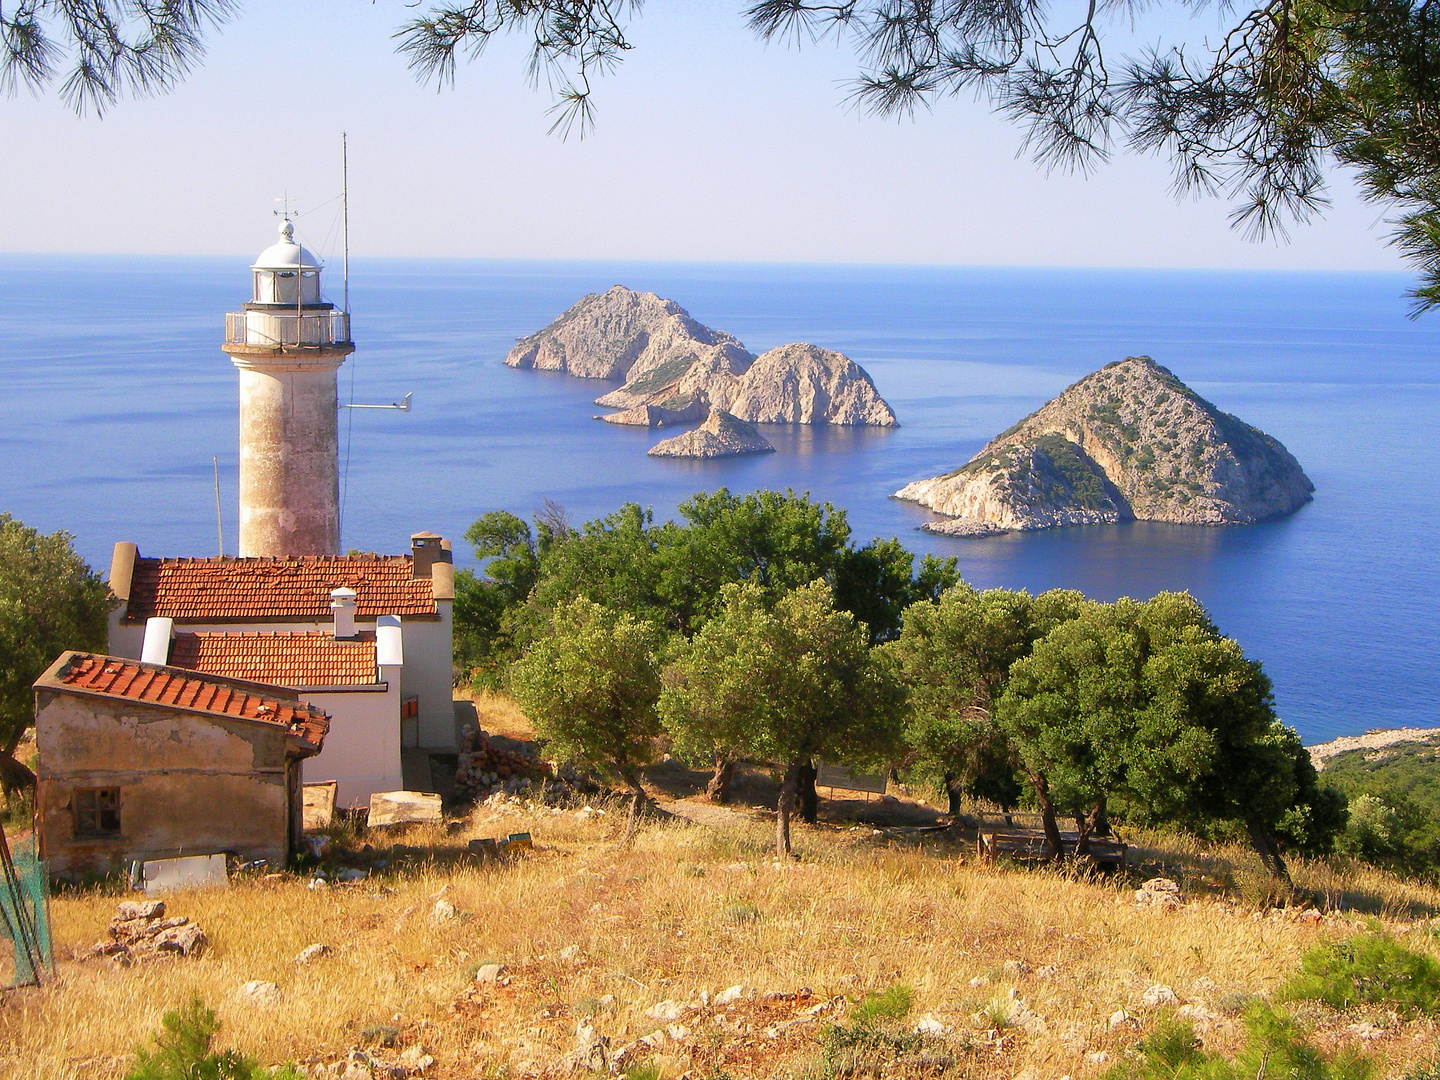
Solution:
(189, 784)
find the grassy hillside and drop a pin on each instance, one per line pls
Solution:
(1394, 794)
(1015, 973)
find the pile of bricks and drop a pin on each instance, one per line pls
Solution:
(485, 768)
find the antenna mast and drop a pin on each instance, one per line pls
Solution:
(345, 213)
(219, 520)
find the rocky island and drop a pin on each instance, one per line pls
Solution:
(722, 435)
(1130, 441)
(676, 370)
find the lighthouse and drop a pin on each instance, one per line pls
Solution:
(288, 344)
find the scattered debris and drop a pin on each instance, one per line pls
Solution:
(403, 808)
(319, 806)
(188, 872)
(139, 930)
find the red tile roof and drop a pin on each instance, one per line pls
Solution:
(294, 589)
(113, 677)
(302, 659)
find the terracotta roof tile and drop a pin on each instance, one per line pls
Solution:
(301, 659)
(160, 685)
(231, 589)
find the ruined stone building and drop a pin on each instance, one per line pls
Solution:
(145, 761)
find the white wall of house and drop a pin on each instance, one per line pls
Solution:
(362, 751)
(427, 674)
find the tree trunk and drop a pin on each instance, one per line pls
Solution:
(1102, 822)
(1268, 850)
(1047, 815)
(1088, 825)
(954, 790)
(718, 790)
(788, 788)
(637, 803)
(807, 798)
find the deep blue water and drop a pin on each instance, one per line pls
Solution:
(115, 397)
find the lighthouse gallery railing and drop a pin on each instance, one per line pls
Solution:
(274, 328)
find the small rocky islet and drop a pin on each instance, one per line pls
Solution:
(722, 435)
(678, 371)
(1127, 442)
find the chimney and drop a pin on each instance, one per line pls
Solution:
(156, 649)
(426, 550)
(342, 603)
(122, 569)
(389, 645)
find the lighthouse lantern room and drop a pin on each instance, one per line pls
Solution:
(288, 344)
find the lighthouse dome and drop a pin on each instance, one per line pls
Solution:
(286, 254)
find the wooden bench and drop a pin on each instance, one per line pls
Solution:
(1027, 842)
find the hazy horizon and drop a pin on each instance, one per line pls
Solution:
(710, 147)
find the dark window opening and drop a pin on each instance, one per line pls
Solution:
(97, 810)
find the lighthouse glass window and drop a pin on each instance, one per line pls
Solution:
(97, 811)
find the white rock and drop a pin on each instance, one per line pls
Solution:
(1117, 1018)
(1365, 1031)
(667, 1010)
(1196, 1010)
(677, 1031)
(654, 1040)
(443, 911)
(259, 992)
(980, 980)
(416, 1059)
(1158, 995)
(930, 1024)
(313, 952)
(729, 995)
(1098, 1057)
(489, 973)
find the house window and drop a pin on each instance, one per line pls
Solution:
(97, 811)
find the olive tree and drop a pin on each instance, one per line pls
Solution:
(956, 652)
(590, 685)
(50, 601)
(1148, 702)
(788, 682)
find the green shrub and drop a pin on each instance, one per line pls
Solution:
(1368, 969)
(1275, 1049)
(892, 1003)
(182, 1051)
(873, 1039)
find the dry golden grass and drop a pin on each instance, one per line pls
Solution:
(692, 908)
(499, 714)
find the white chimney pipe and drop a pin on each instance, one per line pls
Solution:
(389, 645)
(156, 649)
(342, 603)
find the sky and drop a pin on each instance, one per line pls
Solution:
(710, 146)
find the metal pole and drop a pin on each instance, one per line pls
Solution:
(219, 520)
(345, 219)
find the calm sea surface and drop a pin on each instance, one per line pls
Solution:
(116, 396)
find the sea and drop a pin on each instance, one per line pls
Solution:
(119, 410)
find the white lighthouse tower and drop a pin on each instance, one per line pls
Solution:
(288, 345)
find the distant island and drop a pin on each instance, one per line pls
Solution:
(678, 371)
(1130, 441)
(722, 435)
